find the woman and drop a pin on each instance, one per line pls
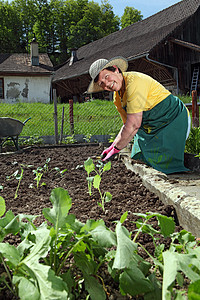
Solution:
(158, 121)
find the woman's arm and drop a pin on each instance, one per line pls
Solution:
(128, 130)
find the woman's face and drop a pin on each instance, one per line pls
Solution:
(110, 81)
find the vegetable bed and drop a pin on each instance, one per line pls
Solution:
(63, 167)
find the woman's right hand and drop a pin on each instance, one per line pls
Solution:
(107, 150)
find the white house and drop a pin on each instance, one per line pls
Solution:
(25, 77)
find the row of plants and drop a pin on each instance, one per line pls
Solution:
(192, 143)
(37, 175)
(63, 258)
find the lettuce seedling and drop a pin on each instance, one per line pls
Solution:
(96, 180)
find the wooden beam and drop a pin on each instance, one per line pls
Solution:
(185, 44)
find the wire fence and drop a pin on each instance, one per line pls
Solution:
(93, 117)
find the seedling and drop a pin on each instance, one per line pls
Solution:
(69, 139)
(46, 165)
(39, 172)
(87, 138)
(32, 140)
(112, 137)
(38, 177)
(18, 176)
(96, 180)
(61, 172)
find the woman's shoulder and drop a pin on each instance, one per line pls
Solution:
(134, 74)
(136, 77)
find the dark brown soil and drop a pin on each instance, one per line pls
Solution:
(128, 193)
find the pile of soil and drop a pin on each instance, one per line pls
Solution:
(128, 192)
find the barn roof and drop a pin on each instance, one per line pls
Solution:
(20, 63)
(131, 42)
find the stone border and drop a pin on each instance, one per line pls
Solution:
(187, 207)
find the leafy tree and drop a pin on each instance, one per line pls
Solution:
(87, 29)
(130, 16)
(10, 29)
(44, 26)
(109, 22)
(58, 25)
(26, 10)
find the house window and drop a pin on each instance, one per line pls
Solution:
(1, 88)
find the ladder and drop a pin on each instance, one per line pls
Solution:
(195, 78)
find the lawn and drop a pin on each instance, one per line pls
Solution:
(96, 117)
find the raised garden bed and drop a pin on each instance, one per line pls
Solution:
(128, 194)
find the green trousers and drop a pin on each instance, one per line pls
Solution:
(160, 141)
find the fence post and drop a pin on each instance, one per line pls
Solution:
(62, 124)
(195, 110)
(55, 116)
(71, 116)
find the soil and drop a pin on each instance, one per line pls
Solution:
(128, 192)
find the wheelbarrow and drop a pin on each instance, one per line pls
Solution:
(10, 129)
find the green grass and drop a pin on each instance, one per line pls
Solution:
(95, 117)
(185, 99)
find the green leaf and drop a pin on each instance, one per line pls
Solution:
(104, 236)
(61, 205)
(90, 179)
(10, 253)
(80, 247)
(27, 290)
(133, 282)
(174, 262)
(156, 294)
(49, 285)
(92, 224)
(85, 263)
(38, 250)
(9, 223)
(167, 225)
(125, 248)
(2, 206)
(180, 279)
(107, 197)
(194, 290)
(94, 289)
(107, 166)
(96, 182)
(123, 217)
(67, 277)
(89, 166)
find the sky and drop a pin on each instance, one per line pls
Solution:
(147, 7)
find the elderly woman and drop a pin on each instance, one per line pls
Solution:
(158, 121)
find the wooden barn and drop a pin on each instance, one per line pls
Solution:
(165, 46)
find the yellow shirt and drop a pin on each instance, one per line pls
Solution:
(142, 93)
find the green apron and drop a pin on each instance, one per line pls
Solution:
(160, 141)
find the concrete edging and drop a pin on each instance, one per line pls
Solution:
(187, 207)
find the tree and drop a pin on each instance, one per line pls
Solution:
(10, 29)
(58, 25)
(109, 22)
(26, 12)
(130, 16)
(44, 26)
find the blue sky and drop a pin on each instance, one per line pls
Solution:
(147, 7)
